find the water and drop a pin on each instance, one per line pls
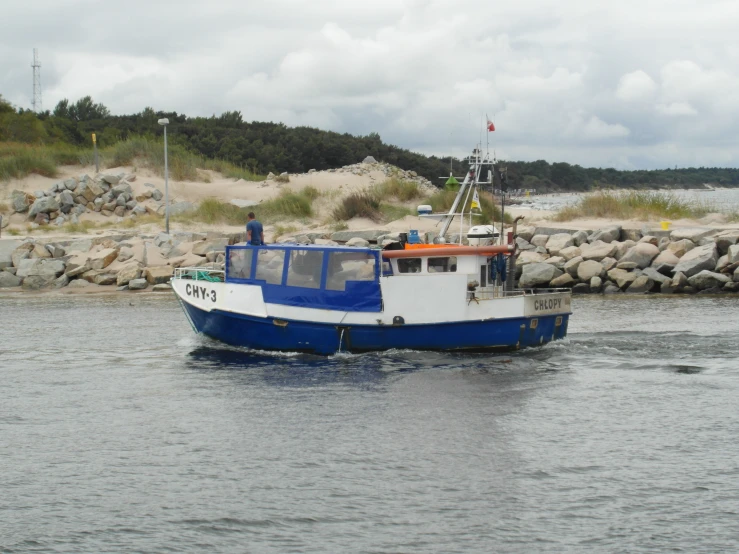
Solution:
(121, 431)
(719, 200)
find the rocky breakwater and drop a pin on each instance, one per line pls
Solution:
(615, 260)
(109, 195)
(127, 262)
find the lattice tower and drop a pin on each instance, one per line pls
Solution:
(36, 65)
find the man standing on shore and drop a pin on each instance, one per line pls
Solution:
(254, 231)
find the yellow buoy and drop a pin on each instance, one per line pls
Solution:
(665, 225)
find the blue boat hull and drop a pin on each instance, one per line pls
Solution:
(324, 339)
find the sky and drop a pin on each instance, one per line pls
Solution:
(628, 84)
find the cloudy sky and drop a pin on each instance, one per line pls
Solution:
(627, 84)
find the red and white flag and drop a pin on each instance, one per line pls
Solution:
(491, 125)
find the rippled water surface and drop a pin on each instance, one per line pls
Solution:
(122, 431)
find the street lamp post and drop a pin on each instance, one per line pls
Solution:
(164, 122)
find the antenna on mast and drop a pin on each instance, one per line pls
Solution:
(36, 65)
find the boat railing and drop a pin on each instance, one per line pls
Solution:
(490, 293)
(211, 273)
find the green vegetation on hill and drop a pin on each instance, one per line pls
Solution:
(240, 149)
(633, 205)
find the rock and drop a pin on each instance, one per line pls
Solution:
(356, 241)
(41, 219)
(621, 277)
(538, 274)
(60, 282)
(526, 233)
(104, 279)
(628, 266)
(732, 253)
(371, 235)
(622, 248)
(80, 245)
(70, 184)
(369, 160)
(329, 242)
(708, 279)
(693, 234)
(631, 234)
(111, 179)
(558, 242)
(656, 276)
(8, 280)
(40, 267)
(610, 288)
(120, 211)
(43, 206)
(679, 281)
(556, 261)
(580, 238)
(589, 269)
(581, 288)
(20, 201)
(570, 252)
(91, 191)
(598, 250)
(726, 239)
(157, 195)
(139, 210)
(138, 284)
(651, 239)
(122, 188)
(608, 263)
(161, 288)
(722, 263)
(641, 254)
(109, 206)
(607, 235)
(55, 250)
(7, 247)
(563, 281)
(681, 247)
(539, 240)
(157, 275)
(120, 201)
(573, 265)
(103, 258)
(596, 283)
(641, 284)
(128, 273)
(528, 257)
(202, 248)
(698, 259)
(523, 244)
(731, 287)
(667, 288)
(66, 201)
(665, 262)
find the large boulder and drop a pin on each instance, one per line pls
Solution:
(7, 280)
(656, 276)
(641, 284)
(665, 262)
(203, 247)
(622, 278)
(7, 247)
(563, 281)
(579, 238)
(103, 258)
(726, 239)
(157, 275)
(570, 252)
(44, 205)
(528, 257)
(539, 240)
(128, 273)
(732, 253)
(538, 274)
(20, 201)
(693, 234)
(708, 279)
(589, 269)
(607, 235)
(343, 236)
(641, 254)
(680, 247)
(598, 250)
(572, 265)
(138, 284)
(111, 179)
(558, 242)
(698, 259)
(22, 252)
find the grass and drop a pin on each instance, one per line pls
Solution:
(19, 160)
(14, 232)
(359, 204)
(403, 191)
(632, 205)
(281, 230)
(83, 227)
(287, 205)
(392, 212)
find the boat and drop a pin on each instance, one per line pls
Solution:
(328, 299)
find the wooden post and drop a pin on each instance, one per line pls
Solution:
(95, 146)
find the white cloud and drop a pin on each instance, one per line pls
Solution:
(636, 86)
(565, 81)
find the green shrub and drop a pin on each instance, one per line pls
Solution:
(358, 204)
(633, 205)
(404, 191)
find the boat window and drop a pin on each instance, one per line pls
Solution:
(269, 265)
(409, 265)
(349, 266)
(239, 263)
(304, 269)
(442, 265)
(387, 268)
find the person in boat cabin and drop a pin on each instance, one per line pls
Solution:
(254, 231)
